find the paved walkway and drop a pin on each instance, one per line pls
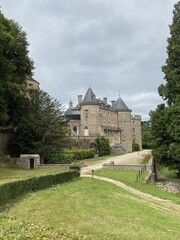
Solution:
(129, 159)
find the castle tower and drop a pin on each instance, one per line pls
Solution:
(124, 123)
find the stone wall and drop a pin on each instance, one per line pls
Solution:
(27, 161)
(123, 167)
(47, 166)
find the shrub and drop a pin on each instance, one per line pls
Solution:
(135, 147)
(59, 158)
(69, 156)
(13, 190)
(82, 153)
(103, 146)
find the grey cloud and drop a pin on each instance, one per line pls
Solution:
(111, 45)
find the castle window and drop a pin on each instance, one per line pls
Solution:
(104, 123)
(86, 131)
(85, 113)
(75, 131)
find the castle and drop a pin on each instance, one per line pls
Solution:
(94, 117)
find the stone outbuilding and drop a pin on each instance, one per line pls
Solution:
(28, 161)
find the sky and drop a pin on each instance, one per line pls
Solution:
(113, 46)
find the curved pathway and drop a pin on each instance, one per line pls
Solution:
(147, 199)
(129, 159)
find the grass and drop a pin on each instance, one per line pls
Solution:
(168, 174)
(129, 178)
(96, 208)
(14, 174)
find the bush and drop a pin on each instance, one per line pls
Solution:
(135, 147)
(69, 156)
(82, 153)
(59, 158)
(13, 190)
(103, 146)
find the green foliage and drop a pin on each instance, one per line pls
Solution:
(165, 121)
(11, 191)
(41, 127)
(103, 146)
(171, 90)
(82, 153)
(59, 158)
(146, 135)
(15, 67)
(69, 156)
(135, 147)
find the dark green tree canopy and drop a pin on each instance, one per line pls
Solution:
(15, 65)
(165, 120)
(41, 127)
(171, 69)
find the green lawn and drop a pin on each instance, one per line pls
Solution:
(14, 174)
(129, 178)
(96, 208)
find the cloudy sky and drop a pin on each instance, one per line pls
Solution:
(110, 45)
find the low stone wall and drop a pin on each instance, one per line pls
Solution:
(47, 166)
(149, 167)
(151, 175)
(123, 167)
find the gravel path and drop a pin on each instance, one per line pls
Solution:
(129, 159)
(149, 200)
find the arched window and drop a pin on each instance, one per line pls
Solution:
(86, 131)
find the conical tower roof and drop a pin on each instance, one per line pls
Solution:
(90, 96)
(121, 106)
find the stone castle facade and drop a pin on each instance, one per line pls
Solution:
(94, 117)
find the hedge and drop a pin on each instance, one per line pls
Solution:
(69, 156)
(13, 190)
(82, 154)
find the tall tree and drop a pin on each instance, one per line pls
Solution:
(41, 128)
(165, 120)
(15, 65)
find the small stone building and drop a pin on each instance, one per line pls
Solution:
(28, 161)
(93, 117)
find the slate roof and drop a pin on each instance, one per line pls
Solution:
(120, 105)
(89, 96)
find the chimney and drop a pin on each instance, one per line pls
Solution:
(105, 100)
(93, 97)
(113, 103)
(79, 99)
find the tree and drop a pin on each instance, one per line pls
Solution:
(146, 135)
(42, 126)
(165, 120)
(103, 146)
(15, 67)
